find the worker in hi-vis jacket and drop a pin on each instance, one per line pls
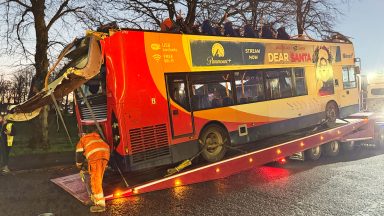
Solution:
(7, 133)
(93, 148)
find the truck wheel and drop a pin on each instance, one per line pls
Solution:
(348, 146)
(331, 114)
(379, 137)
(313, 153)
(214, 138)
(332, 149)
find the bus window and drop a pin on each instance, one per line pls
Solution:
(249, 86)
(301, 87)
(178, 91)
(273, 88)
(278, 83)
(349, 78)
(211, 90)
(352, 77)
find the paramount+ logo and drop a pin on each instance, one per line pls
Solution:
(218, 55)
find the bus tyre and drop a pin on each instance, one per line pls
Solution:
(213, 141)
(331, 114)
(332, 149)
(313, 153)
(348, 146)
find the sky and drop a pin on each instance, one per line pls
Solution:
(363, 21)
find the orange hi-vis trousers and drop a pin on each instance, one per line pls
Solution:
(96, 170)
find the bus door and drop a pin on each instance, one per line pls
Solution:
(179, 106)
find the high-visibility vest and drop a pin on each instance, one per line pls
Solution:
(93, 147)
(9, 137)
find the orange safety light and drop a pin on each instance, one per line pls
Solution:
(338, 132)
(321, 138)
(177, 182)
(250, 160)
(117, 194)
(217, 170)
(278, 151)
(135, 191)
(302, 144)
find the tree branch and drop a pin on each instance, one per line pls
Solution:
(21, 3)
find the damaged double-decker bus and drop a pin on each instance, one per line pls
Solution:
(162, 98)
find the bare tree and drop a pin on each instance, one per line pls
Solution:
(253, 12)
(18, 87)
(4, 86)
(33, 30)
(316, 16)
(313, 16)
(142, 14)
(9, 93)
(21, 81)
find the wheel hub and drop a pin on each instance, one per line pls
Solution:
(213, 143)
(316, 150)
(331, 113)
(334, 146)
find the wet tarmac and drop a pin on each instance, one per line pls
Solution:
(346, 185)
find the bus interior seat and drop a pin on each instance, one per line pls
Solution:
(196, 102)
(216, 103)
(227, 101)
(204, 101)
(243, 100)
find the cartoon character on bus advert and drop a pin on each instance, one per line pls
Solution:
(324, 72)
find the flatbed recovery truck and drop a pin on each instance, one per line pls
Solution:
(357, 128)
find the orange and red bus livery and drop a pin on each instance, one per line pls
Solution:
(158, 94)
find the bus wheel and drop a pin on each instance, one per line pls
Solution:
(331, 114)
(313, 153)
(348, 146)
(213, 143)
(332, 149)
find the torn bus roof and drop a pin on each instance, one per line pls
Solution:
(18, 117)
(72, 79)
(59, 88)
